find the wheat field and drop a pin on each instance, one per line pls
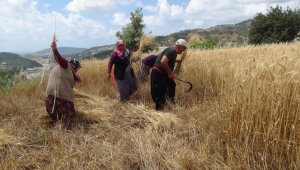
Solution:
(242, 113)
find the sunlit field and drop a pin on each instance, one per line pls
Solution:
(242, 113)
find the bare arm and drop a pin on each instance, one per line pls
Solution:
(164, 62)
(181, 57)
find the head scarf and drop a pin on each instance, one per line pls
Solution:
(118, 52)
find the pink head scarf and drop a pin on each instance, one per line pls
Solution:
(120, 42)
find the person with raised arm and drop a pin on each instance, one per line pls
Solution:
(59, 93)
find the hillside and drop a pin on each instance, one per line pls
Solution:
(62, 50)
(227, 35)
(242, 113)
(14, 61)
(99, 52)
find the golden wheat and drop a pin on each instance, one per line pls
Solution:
(243, 113)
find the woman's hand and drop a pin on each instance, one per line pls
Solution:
(53, 45)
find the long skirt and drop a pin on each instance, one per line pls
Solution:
(128, 85)
(59, 109)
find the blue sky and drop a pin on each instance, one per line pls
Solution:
(28, 25)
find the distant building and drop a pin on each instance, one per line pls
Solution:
(3, 66)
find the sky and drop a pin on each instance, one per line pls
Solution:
(29, 25)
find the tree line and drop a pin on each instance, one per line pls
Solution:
(276, 26)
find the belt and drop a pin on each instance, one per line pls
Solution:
(158, 69)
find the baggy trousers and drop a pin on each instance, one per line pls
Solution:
(162, 87)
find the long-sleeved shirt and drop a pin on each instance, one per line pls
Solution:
(60, 60)
(64, 64)
(150, 60)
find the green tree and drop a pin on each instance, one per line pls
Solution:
(133, 31)
(276, 26)
(6, 80)
(205, 44)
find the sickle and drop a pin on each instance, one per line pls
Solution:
(190, 84)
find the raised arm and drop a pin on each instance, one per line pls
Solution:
(59, 59)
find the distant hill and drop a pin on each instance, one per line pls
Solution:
(99, 52)
(62, 50)
(227, 35)
(13, 62)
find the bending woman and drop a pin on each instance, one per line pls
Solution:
(145, 66)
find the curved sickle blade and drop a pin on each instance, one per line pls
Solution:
(190, 85)
(190, 88)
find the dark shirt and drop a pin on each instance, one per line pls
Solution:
(171, 54)
(120, 62)
(112, 59)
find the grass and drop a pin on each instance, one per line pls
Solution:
(243, 113)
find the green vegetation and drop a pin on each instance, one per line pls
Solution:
(206, 44)
(276, 26)
(6, 80)
(133, 31)
(243, 31)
